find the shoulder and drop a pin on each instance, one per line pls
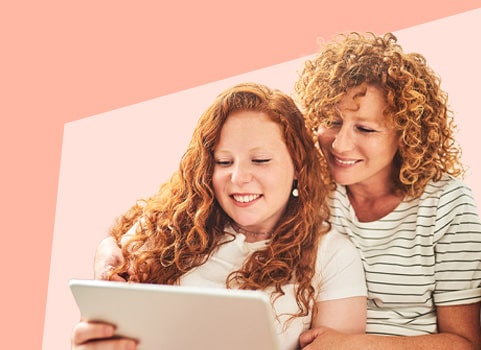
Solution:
(451, 205)
(335, 239)
(447, 187)
(448, 194)
(335, 246)
(340, 271)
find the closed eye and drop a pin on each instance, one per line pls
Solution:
(261, 161)
(223, 162)
(333, 124)
(365, 130)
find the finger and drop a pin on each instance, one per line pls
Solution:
(84, 332)
(102, 272)
(118, 278)
(110, 344)
(305, 339)
(308, 336)
(106, 274)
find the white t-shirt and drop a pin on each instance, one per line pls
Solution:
(426, 252)
(339, 275)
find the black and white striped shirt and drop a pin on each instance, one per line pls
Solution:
(426, 252)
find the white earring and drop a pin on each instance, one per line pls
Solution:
(295, 191)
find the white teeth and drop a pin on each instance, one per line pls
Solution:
(345, 162)
(246, 198)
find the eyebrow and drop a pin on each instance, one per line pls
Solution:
(255, 149)
(357, 118)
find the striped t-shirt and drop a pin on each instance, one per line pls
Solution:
(426, 252)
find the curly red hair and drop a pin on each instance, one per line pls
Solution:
(415, 101)
(182, 225)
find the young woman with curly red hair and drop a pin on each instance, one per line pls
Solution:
(246, 209)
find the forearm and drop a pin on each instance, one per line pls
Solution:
(458, 326)
(441, 341)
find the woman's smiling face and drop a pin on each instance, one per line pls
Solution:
(254, 172)
(359, 144)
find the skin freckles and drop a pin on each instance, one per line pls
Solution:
(359, 145)
(254, 172)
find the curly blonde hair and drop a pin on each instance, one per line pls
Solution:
(182, 225)
(415, 102)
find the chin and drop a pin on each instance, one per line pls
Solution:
(342, 180)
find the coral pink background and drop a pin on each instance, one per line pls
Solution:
(63, 62)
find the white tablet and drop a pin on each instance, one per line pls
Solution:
(165, 317)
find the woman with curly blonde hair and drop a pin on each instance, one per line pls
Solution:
(384, 128)
(246, 209)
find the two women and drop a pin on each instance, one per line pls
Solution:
(382, 123)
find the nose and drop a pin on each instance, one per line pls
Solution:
(343, 139)
(241, 174)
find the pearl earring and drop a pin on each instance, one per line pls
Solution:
(295, 191)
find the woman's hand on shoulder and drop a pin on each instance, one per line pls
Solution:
(98, 336)
(108, 255)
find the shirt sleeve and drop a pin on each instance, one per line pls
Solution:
(457, 247)
(339, 269)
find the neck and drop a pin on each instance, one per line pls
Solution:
(372, 191)
(372, 206)
(248, 233)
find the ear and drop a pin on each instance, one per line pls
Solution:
(400, 144)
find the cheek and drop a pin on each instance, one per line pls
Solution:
(393, 145)
(324, 138)
(216, 182)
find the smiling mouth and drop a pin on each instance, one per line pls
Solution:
(344, 162)
(245, 198)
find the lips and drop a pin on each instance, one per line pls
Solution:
(245, 198)
(344, 162)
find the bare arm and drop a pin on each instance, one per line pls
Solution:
(459, 328)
